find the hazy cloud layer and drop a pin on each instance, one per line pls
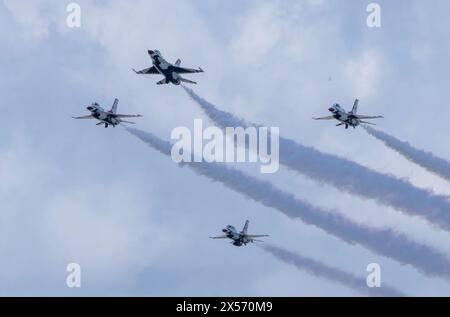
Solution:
(73, 192)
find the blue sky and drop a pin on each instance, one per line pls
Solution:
(136, 222)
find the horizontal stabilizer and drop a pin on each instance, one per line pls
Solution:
(187, 81)
(254, 240)
(123, 121)
(365, 122)
(162, 82)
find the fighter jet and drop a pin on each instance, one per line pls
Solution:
(170, 72)
(348, 118)
(239, 238)
(107, 117)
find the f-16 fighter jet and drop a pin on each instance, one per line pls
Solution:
(347, 118)
(239, 238)
(107, 117)
(170, 72)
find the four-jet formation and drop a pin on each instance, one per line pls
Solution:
(107, 117)
(171, 72)
(347, 118)
(239, 238)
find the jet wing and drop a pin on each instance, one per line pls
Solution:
(219, 237)
(151, 70)
(324, 118)
(85, 117)
(128, 116)
(251, 236)
(369, 117)
(182, 70)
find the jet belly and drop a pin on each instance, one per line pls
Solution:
(166, 70)
(98, 115)
(341, 116)
(235, 237)
(113, 121)
(171, 76)
(106, 118)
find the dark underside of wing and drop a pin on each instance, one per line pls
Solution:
(151, 70)
(182, 70)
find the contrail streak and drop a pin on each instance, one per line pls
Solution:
(332, 274)
(382, 241)
(346, 175)
(427, 160)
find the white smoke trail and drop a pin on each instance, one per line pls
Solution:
(332, 274)
(346, 175)
(382, 241)
(427, 160)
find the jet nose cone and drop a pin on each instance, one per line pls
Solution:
(151, 52)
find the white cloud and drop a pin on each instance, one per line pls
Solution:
(363, 74)
(259, 33)
(30, 17)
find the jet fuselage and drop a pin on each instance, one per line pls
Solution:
(239, 239)
(345, 117)
(105, 116)
(164, 68)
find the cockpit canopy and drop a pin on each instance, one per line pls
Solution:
(334, 108)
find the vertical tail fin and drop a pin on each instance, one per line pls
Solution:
(355, 106)
(114, 106)
(244, 230)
